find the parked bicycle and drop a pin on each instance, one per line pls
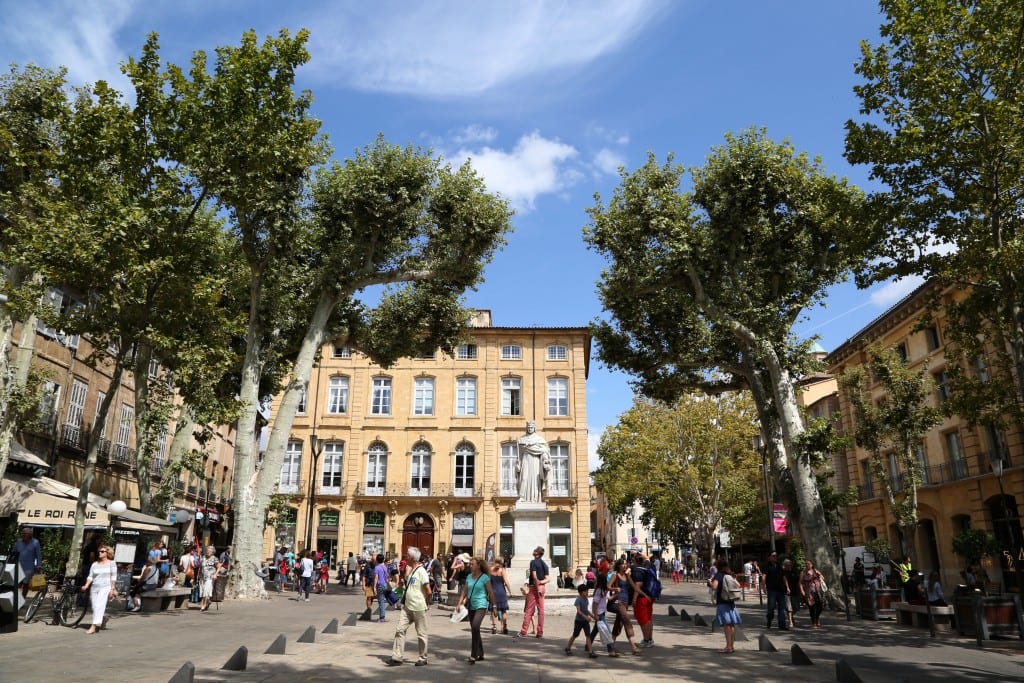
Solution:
(68, 608)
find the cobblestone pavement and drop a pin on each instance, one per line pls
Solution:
(152, 647)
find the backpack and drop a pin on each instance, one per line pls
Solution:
(652, 584)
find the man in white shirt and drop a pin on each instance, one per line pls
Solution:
(415, 604)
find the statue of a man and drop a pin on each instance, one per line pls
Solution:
(533, 465)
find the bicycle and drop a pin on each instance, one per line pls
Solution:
(68, 610)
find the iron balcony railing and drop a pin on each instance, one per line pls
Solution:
(434, 490)
(568, 491)
(975, 465)
(72, 437)
(123, 455)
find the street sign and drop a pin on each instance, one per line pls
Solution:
(634, 540)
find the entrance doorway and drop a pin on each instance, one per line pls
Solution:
(418, 531)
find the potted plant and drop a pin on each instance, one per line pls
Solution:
(973, 544)
(880, 548)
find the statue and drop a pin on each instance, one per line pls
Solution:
(534, 464)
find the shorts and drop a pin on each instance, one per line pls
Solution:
(643, 610)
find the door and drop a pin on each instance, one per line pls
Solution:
(418, 531)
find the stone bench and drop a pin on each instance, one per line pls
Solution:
(917, 615)
(163, 599)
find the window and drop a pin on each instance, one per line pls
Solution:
(996, 444)
(381, 401)
(428, 355)
(303, 400)
(922, 462)
(894, 474)
(341, 352)
(511, 396)
(465, 396)
(337, 401)
(423, 396)
(76, 411)
(868, 489)
(942, 385)
(59, 305)
(376, 468)
(954, 447)
(511, 352)
(159, 451)
(901, 351)
(154, 368)
(100, 398)
(558, 396)
(331, 481)
(465, 352)
(465, 466)
(981, 369)
(931, 335)
(124, 432)
(289, 482)
(49, 399)
(961, 523)
(558, 477)
(509, 459)
(558, 352)
(420, 469)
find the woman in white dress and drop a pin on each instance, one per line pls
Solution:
(102, 585)
(210, 569)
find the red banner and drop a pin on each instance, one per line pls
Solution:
(780, 518)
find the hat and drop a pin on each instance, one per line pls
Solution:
(465, 557)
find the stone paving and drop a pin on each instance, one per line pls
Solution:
(152, 647)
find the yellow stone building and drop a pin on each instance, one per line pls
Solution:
(423, 454)
(961, 487)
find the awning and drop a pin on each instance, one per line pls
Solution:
(130, 519)
(22, 454)
(43, 510)
(462, 539)
(15, 489)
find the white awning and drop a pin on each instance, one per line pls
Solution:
(131, 519)
(44, 510)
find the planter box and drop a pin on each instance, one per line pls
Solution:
(986, 617)
(877, 603)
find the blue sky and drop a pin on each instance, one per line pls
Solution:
(547, 98)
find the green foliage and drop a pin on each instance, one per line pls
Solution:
(280, 506)
(941, 104)
(797, 553)
(973, 544)
(55, 551)
(880, 548)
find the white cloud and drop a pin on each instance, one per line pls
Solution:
(536, 166)
(608, 161)
(77, 34)
(466, 47)
(891, 292)
(475, 133)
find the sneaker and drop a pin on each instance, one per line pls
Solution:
(307, 599)
(518, 635)
(421, 662)
(381, 621)
(646, 643)
(394, 662)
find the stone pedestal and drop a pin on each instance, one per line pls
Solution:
(530, 529)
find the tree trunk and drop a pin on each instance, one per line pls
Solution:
(143, 437)
(90, 467)
(181, 442)
(814, 530)
(15, 377)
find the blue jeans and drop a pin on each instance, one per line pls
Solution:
(382, 601)
(777, 601)
(304, 585)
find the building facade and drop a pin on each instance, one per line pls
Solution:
(961, 488)
(424, 453)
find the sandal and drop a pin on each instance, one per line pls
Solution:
(494, 630)
(471, 660)
(727, 651)
(568, 651)
(613, 653)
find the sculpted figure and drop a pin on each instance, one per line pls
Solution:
(534, 464)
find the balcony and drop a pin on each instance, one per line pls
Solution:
(288, 489)
(407, 491)
(331, 491)
(71, 436)
(103, 452)
(123, 456)
(566, 492)
(156, 469)
(179, 485)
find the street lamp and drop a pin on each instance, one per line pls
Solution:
(181, 517)
(316, 446)
(997, 468)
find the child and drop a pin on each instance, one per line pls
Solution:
(600, 607)
(501, 588)
(325, 574)
(582, 623)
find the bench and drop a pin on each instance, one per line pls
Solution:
(917, 615)
(163, 599)
(877, 603)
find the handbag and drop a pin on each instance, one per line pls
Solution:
(37, 582)
(605, 632)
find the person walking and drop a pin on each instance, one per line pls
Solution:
(30, 557)
(539, 578)
(618, 604)
(501, 589)
(351, 567)
(476, 595)
(209, 569)
(792, 598)
(102, 585)
(582, 623)
(305, 573)
(812, 589)
(642, 603)
(600, 609)
(381, 584)
(415, 604)
(775, 584)
(675, 570)
(726, 590)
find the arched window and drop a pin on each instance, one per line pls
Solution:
(376, 468)
(419, 483)
(465, 469)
